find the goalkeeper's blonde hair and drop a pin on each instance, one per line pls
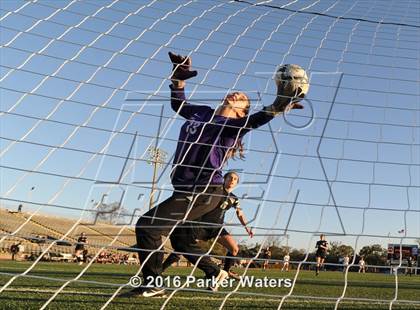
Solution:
(230, 101)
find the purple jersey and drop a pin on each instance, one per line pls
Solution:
(204, 140)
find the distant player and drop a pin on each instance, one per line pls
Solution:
(321, 253)
(15, 250)
(346, 261)
(267, 256)
(21, 250)
(286, 260)
(80, 251)
(409, 269)
(362, 265)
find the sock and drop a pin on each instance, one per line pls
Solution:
(228, 262)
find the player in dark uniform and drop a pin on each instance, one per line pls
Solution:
(210, 226)
(267, 256)
(410, 262)
(321, 253)
(80, 251)
(14, 249)
(207, 140)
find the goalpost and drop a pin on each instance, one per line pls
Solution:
(84, 104)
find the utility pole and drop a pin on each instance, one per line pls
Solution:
(157, 159)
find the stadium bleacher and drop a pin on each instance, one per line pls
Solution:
(39, 230)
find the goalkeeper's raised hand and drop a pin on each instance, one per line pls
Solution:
(181, 70)
(286, 100)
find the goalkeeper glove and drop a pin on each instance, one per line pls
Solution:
(181, 67)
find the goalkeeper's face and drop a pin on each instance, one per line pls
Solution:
(235, 105)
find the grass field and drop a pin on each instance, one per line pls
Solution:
(100, 281)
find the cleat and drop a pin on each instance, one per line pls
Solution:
(219, 279)
(154, 292)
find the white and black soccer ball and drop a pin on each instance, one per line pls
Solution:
(292, 78)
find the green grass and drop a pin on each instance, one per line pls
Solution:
(32, 293)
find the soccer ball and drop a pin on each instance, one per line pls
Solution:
(293, 80)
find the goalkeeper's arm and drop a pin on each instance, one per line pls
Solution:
(181, 71)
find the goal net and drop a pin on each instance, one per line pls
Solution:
(88, 137)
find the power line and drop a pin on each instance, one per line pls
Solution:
(332, 16)
(152, 18)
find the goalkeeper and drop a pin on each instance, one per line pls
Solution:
(207, 140)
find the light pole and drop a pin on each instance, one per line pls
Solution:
(157, 158)
(98, 209)
(103, 198)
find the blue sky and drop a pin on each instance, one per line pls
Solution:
(73, 72)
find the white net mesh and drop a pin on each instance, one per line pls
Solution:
(87, 136)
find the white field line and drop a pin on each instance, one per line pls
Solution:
(293, 299)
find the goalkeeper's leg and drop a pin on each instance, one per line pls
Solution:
(172, 258)
(160, 220)
(184, 241)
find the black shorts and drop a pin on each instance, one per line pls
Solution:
(192, 233)
(211, 233)
(321, 254)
